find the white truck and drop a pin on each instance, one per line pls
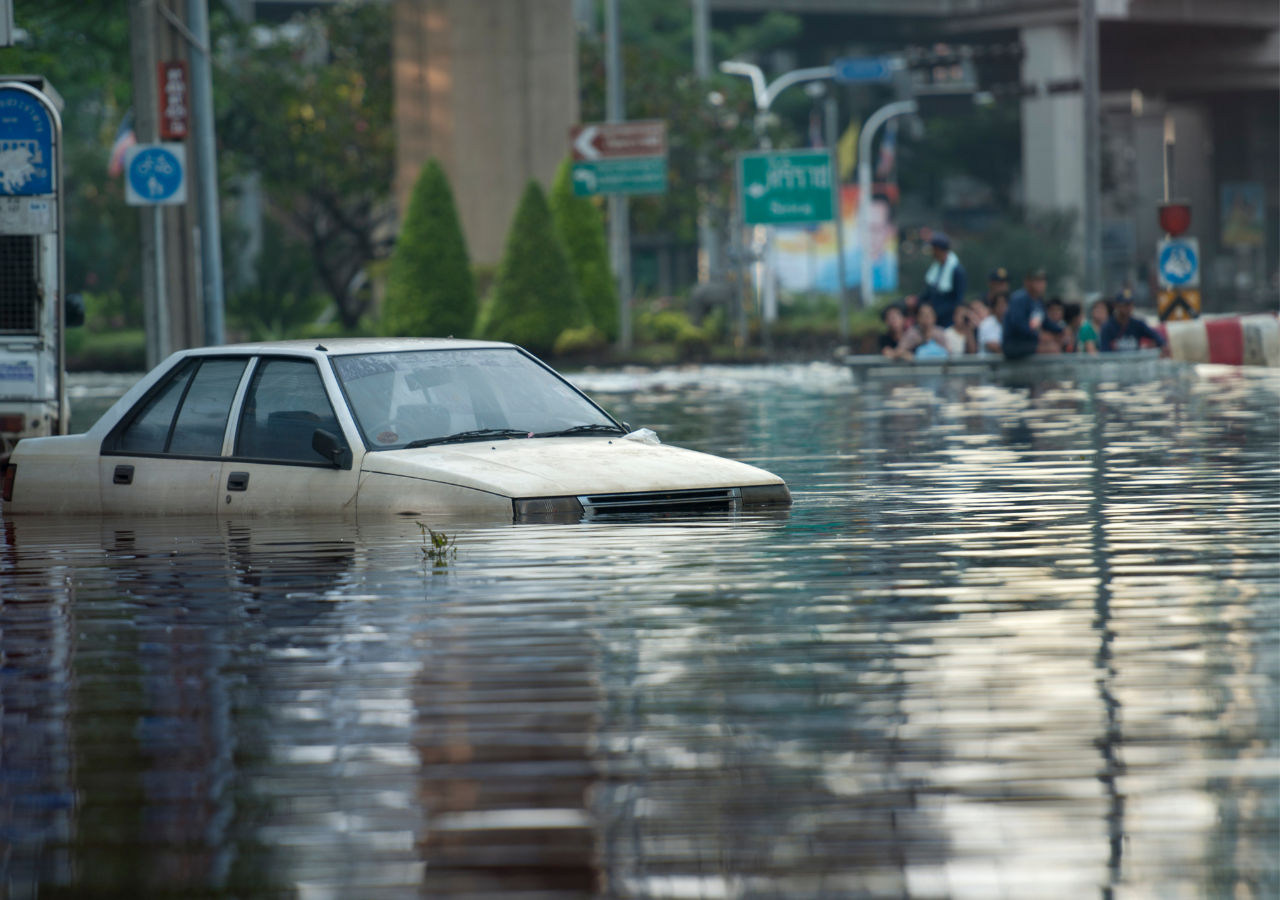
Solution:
(33, 304)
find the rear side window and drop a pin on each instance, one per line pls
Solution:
(149, 430)
(284, 406)
(188, 415)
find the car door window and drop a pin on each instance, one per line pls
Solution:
(202, 421)
(149, 430)
(285, 404)
(188, 415)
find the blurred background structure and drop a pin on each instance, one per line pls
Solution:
(327, 111)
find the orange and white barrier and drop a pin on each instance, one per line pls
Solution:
(1231, 341)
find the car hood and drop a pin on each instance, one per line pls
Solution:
(549, 467)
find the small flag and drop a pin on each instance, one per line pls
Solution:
(125, 138)
(888, 151)
(847, 151)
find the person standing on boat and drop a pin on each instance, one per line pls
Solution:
(1026, 317)
(944, 283)
(1123, 332)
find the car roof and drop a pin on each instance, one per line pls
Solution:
(344, 346)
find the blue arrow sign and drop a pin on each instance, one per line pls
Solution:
(156, 174)
(858, 69)
(26, 145)
(1180, 262)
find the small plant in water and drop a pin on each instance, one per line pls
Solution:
(441, 549)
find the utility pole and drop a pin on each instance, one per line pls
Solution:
(831, 127)
(1089, 83)
(619, 208)
(708, 238)
(173, 308)
(206, 172)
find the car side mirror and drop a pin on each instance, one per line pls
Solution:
(626, 426)
(328, 446)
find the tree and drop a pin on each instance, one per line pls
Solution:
(310, 109)
(430, 289)
(581, 230)
(534, 298)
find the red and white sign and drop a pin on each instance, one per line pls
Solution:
(173, 100)
(619, 140)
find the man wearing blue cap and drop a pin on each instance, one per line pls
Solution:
(944, 283)
(1026, 316)
(1122, 331)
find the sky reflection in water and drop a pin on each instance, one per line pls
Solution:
(1010, 642)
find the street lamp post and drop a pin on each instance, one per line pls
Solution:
(869, 129)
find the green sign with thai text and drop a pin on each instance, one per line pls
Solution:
(785, 187)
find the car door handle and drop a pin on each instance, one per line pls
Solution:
(238, 481)
(123, 475)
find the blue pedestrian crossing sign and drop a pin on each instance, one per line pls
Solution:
(156, 175)
(1179, 262)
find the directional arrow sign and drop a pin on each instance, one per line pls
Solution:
(619, 158)
(619, 140)
(786, 187)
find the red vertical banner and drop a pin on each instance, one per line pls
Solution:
(173, 99)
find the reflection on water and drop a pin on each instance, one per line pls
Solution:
(1010, 642)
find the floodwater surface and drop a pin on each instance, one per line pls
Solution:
(1010, 642)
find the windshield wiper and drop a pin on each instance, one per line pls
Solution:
(582, 429)
(478, 435)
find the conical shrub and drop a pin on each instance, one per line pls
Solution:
(430, 290)
(534, 298)
(581, 229)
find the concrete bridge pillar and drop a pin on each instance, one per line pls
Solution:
(1053, 122)
(489, 88)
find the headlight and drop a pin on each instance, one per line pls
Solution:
(547, 506)
(766, 495)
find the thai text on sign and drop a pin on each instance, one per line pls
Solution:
(173, 100)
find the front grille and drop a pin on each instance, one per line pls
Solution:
(661, 502)
(19, 292)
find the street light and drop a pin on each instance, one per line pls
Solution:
(877, 118)
(765, 93)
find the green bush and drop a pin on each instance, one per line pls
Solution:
(580, 340)
(430, 288)
(581, 230)
(534, 298)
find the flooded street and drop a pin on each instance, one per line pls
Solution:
(1010, 642)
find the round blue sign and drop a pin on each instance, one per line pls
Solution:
(1178, 264)
(155, 174)
(26, 145)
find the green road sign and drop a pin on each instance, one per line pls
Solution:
(637, 175)
(785, 187)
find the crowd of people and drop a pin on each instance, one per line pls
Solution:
(938, 323)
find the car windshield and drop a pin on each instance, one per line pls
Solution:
(403, 398)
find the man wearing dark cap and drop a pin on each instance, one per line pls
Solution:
(944, 283)
(997, 285)
(1026, 316)
(1122, 331)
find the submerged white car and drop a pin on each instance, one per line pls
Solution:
(413, 427)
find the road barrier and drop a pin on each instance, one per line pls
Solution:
(1232, 341)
